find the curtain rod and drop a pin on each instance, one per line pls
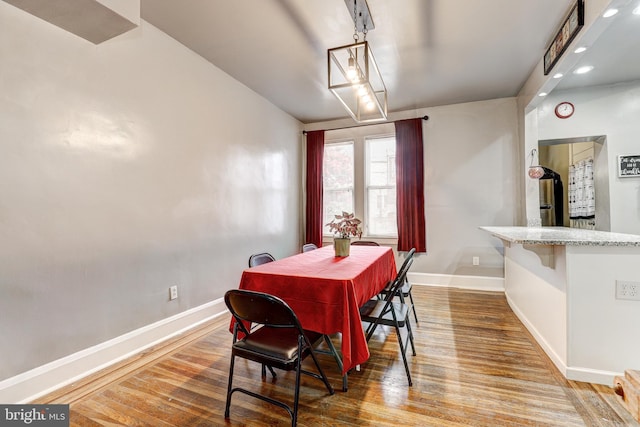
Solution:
(368, 124)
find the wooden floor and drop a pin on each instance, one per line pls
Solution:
(476, 366)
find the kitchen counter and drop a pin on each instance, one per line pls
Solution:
(562, 236)
(565, 286)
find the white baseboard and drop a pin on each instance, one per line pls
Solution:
(592, 376)
(30, 385)
(478, 283)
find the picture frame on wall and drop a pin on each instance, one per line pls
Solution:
(565, 35)
(629, 166)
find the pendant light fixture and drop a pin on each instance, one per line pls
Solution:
(353, 75)
(537, 171)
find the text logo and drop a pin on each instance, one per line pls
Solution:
(34, 415)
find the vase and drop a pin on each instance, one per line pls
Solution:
(342, 246)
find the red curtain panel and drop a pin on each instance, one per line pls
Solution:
(410, 185)
(315, 152)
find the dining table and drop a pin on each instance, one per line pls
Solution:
(326, 291)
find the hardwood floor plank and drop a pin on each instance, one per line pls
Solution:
(476, 366)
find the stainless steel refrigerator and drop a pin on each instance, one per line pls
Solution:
(551, 199)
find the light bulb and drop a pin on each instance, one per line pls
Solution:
(352, 73)
(366, 98)
(370, 105)
(362, 91)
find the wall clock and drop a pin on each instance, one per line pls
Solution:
(564, 110)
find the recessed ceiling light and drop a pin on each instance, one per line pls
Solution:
(557, 75)
(609, 13)
(580, 49)
(583, 70)
(542, 94)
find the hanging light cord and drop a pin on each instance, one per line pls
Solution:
(533, 153)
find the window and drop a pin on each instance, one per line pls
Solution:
(337, 181)
(359, 175)
(380, 214)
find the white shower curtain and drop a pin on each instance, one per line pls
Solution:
(582, 195)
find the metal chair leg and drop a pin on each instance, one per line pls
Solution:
(413, 307)
(264, 371)
(336, 356)
(403, 350)
(228, 404)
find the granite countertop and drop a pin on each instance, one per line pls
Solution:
(562, 236)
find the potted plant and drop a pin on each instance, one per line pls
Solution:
(344, 227)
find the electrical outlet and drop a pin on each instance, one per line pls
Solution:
(476, 260)
(626, 289)
(173, 292)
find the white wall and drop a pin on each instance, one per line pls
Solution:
(125, 168)
(470, 163)
(603, 110)
(538, 296)
(571, 308)
(602, 330)
(528, 101)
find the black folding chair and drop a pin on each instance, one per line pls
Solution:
(405, 289)
(261, 258)
(308, 247)
(391, 313)
(280, 342)
(364, 243)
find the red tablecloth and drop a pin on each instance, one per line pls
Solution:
(326, 291)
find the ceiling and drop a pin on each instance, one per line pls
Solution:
(615, 54)
(430, 52)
